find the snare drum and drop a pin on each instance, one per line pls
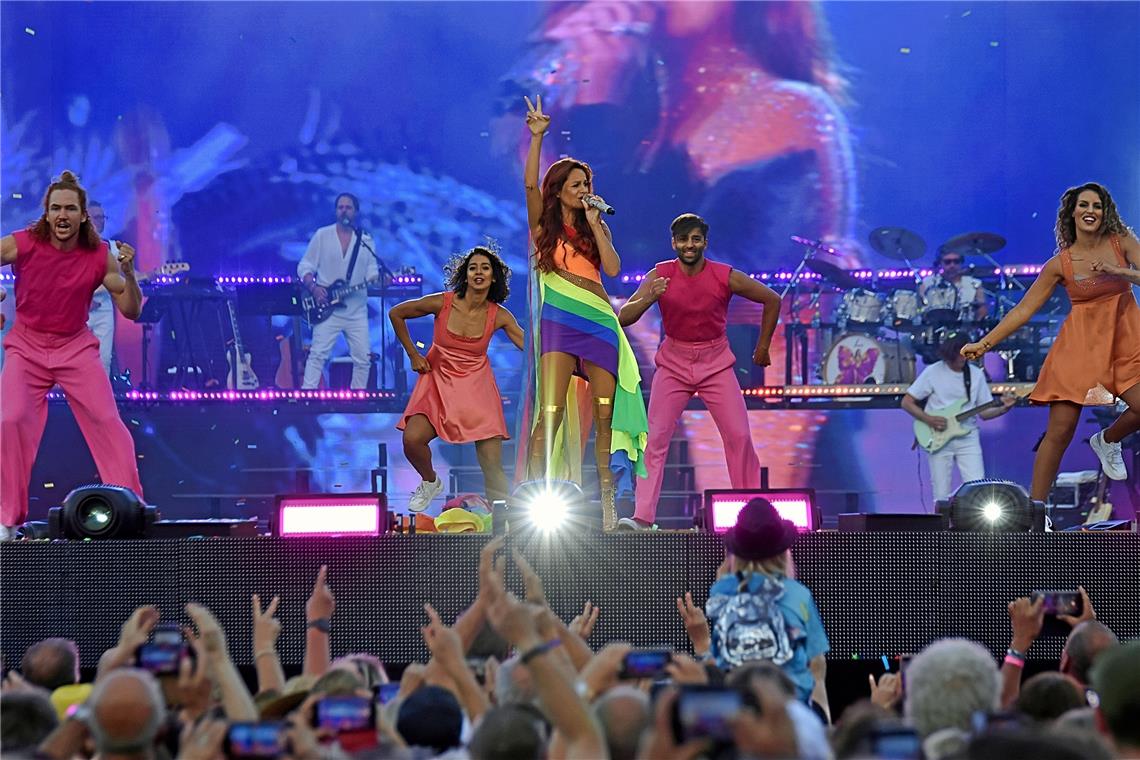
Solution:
(903, 309)
(856, 359)
(940, 304)
(862, 307)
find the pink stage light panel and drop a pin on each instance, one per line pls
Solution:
(794, 507)
(329, 516)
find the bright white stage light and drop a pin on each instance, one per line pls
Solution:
(549, 506)
(992, 511)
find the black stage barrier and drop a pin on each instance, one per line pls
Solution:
(879, 594)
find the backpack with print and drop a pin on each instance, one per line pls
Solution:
(749, 625)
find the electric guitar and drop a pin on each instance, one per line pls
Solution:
(932, 440)
(168, 270)
(316, 313)
(240, 375)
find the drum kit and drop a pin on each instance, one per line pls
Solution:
(872, 333)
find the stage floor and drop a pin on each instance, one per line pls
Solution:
(879, 594)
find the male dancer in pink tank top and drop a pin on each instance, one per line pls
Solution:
(695, 357)
(59, 262)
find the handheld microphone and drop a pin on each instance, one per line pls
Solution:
(599, 204)
(346, 221)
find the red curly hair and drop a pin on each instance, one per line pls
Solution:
(550, 223)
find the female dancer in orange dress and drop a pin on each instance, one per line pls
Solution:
(1096, 356)
(456, 397)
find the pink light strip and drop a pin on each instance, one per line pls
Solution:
(329, 517)
(726, 508)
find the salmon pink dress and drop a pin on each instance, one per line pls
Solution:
(459, 396)
(1096, 356)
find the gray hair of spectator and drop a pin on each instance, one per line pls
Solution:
(741, 678)
(1085, 642)
(142, 741)
(26, 719)
(947, 683)
(623, 713)
(1048, 696)
(51, 663)
(513, 732)
(513, 684)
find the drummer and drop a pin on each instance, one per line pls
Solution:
(949, 266)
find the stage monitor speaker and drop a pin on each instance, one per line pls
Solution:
(890, 523)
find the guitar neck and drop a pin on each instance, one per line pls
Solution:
(358, 286)
(963, 416)
(234, 327)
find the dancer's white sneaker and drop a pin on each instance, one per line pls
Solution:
(1110, 456)
(424, 494)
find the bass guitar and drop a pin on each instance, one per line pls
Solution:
(315, 313)
(932, 440)
(240, 375)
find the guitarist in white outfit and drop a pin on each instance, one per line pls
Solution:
(327, 260)
(943, 385)
(101, 319)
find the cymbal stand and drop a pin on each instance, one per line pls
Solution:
(1003, 284)
(792, 328)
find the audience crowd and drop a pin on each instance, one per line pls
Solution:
(511, 680)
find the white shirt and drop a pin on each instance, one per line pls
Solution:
(941, 386)
(101, 299)
(328, 262)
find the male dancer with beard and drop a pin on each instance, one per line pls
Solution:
(59, 262)
(693, 293)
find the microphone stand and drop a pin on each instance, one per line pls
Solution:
(388, 275)
(790, 334)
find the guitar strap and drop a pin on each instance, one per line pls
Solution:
(352, 261)
(966, 382)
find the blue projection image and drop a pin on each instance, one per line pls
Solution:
(849, 142)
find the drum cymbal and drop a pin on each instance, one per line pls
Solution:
(833, 274)
(973, 244)
(818, 245)
(897, 243)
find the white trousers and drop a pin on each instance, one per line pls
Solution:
(967, 453)
(101, 321)
(354, 325)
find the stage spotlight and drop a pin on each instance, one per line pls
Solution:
(721, 506)
(99, 511)
(347, 514)
(551, 506)
(993, 505)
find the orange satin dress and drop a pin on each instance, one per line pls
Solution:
(459, 396)
(1097, 354)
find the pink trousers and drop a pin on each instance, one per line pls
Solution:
(33, 363)
(704, 368)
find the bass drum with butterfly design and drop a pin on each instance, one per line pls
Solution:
(856, 359)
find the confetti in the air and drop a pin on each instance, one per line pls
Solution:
(904, 50)
(29, 31)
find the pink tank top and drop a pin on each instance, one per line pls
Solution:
(54, 287)
(695, 308)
